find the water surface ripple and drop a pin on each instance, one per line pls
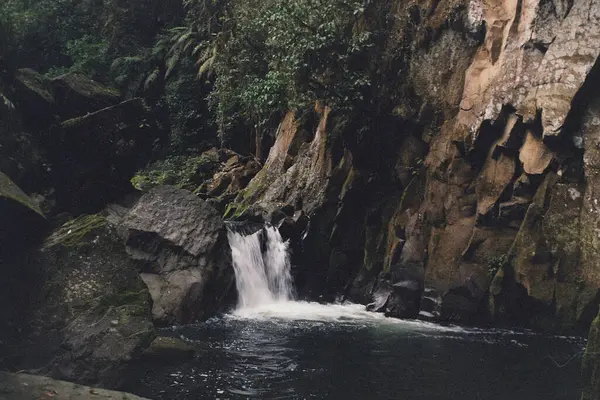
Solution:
(299, 350)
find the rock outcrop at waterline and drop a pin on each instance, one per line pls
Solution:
(89, 313)
(492, 201)
(104, 280)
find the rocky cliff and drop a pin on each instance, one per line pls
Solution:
(478, 184)
(463, 189)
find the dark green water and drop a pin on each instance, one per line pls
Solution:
(309, 351)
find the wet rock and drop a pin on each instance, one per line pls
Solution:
(399, 292)
(465, 299)
(168, 349)
(93, 313)
(294, 227)
(27, 387)
(430, 305)
(182, 242)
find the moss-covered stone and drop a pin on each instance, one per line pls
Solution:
(75, 232)
(9, 190)
(94, 297)
(77, 95)
(185, 172)
(36, 83)
(168, 349)
(591, 363)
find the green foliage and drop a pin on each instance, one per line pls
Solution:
(42, 30)
(58, 36)
(497, 263)
(88, 56)
(286, 55)
(271, 56)
(181, 171)
(192, 123)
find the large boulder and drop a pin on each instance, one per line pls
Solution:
(45, 100)
(182, 242)
(91, 312)
(78, 95)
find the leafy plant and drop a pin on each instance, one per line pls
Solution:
(497, 263)
(271, 56)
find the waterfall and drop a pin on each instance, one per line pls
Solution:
(262, 267)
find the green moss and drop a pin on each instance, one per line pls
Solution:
(10, 190)
(130, 303)
(591, 363)
(235, 210)
(37, 83)
(182, 171)
(73, 122)
(88, 87)
(497, 263)
(74, 232)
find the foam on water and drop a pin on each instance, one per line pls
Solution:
(287, 311)
(265, 290)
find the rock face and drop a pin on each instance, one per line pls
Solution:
(85, 324)
(26, 387)
(483, 179)
(74, 141)
(182, 242)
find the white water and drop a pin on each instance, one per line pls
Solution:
(265, 287)
(262, 278)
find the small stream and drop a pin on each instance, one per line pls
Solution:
(273, 347)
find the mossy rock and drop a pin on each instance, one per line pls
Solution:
(184, 172)
(22, 223)
(9, 190)
(77, 94)
(37, 84)
(75, 232)
(94, 297)
(591, 363)
(168, 349)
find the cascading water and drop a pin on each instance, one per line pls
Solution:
(262, 272)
